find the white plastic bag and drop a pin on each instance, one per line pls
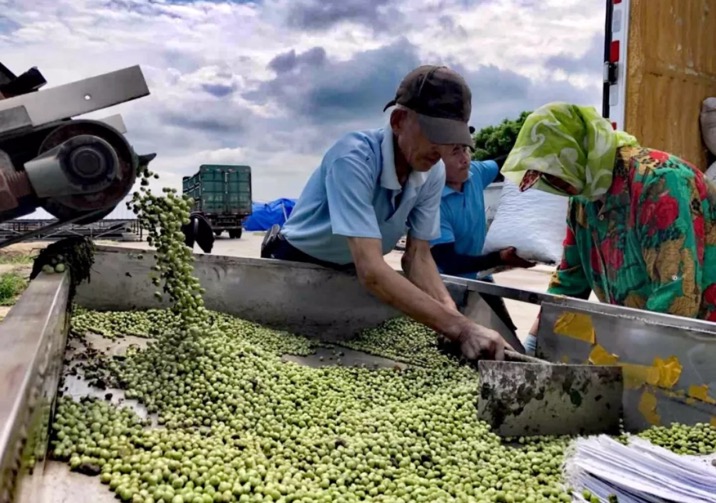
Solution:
(533, 222)
(708, 123)
(711, 172)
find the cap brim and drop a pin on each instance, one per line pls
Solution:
(445, 131)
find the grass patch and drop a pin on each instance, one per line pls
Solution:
(11, 285)
(16, 258)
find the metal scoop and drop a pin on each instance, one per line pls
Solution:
(526, 396)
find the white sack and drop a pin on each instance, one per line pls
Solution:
(708, 123)
(533, 222)
(711, 172)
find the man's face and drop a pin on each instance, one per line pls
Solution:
(457, 164)
(420, 152)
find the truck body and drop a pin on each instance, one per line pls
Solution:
(221, 194)
(659, 68)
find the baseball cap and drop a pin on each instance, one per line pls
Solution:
(442, 100)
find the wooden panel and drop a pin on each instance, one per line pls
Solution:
(671, 69)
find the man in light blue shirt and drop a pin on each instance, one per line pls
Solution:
(463, 224)
(374, 185)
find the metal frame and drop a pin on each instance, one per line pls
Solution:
(45, 229)
(636, 338)
(14, 119)
(614, 87)
(104, 227)
(34, 336)
(81, 97)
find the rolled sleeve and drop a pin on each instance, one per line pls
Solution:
(424, 219)
(349, 189)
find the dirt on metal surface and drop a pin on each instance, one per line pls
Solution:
(527, 399)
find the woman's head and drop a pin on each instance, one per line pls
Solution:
(565, 149)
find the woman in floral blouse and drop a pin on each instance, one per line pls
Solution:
(641, 223)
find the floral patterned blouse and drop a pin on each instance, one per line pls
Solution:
(647, 242)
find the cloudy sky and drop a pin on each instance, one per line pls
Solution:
(272, 83)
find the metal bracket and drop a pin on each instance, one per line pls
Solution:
(116, 122)
(81, 97)
(14, 119)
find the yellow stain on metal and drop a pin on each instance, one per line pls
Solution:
(600, 356)
(635, 376)
(701, 393)
(713, 421)
(577, 326)
(664, 373)
(647, 407)
(564, 359)
(669, 371)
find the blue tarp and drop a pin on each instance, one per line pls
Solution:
(267, 214)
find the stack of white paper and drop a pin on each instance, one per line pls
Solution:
(638, 473)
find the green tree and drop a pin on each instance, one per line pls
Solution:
(495, 141)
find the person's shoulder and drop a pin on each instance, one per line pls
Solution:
(359, 142)
(436, 176)
(362, 148)
(484, 172)
(438, 170)
(647, 164)
(488, 163)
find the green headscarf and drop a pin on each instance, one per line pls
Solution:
(571, 142)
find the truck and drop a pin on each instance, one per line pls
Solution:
(659, 67)
(222, 194)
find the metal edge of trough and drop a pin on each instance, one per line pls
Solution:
(33, 337)
(329, 304)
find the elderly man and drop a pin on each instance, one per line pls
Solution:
(463, 224)
(372, 183)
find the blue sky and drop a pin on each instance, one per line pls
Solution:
(272, 83)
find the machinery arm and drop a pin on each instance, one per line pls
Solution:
(76, 170)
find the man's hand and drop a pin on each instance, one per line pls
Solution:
(509, 257)
(480, 343)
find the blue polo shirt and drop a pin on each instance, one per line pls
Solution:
(355, 193)
(462, 214)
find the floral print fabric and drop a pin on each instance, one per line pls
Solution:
(649, 242)
(574, 145)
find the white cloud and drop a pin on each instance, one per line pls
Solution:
(203, 59)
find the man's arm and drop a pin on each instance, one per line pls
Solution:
(426, 224)
(670, 245)
(350, 187)
(392, 288)
(453, 263)
(420, 268)
(486, 170)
